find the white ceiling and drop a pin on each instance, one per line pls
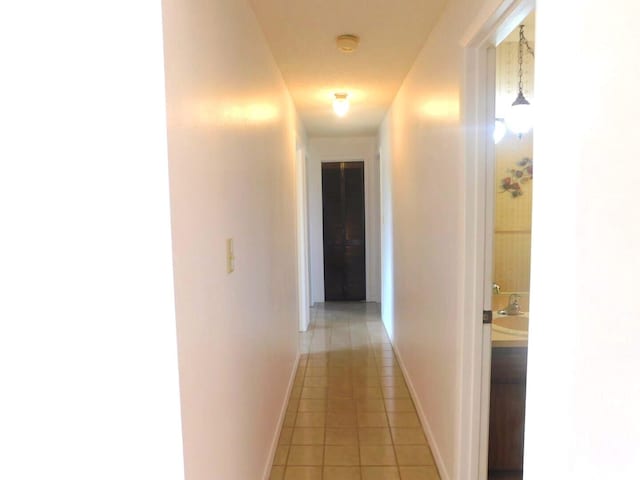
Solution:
(302, 33)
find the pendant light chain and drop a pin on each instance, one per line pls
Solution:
(522, 43)
(519, 119)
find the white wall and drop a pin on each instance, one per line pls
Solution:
(88, 361)
(337, 150)
(422, 148)
(387, 294)
(583, 393)
(232, 153)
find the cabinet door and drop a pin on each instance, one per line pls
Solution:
(506, 418)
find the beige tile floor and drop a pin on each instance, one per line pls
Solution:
(350, 415)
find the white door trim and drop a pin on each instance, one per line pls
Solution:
(302, 228)
(491, 26)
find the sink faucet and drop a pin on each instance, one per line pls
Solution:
(496, 289)
(514, 304)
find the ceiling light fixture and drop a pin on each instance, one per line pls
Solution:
(341, 104)
(347, 43)
(520, 116)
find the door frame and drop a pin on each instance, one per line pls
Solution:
(490, 27)
(302, 234)
(372, 217)
(364, 219)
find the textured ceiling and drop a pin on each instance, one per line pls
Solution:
(301, 34)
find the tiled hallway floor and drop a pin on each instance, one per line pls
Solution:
(350, 416)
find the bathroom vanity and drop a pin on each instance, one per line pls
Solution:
(508, 388)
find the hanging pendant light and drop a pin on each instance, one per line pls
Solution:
(519, 118)
(499, 130)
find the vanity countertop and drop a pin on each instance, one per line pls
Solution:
(510, 331)
(504, 340)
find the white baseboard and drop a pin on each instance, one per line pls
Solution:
(283, 412)
(444, 474)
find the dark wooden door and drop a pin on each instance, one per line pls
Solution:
(343, 231)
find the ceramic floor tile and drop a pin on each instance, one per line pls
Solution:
(396, 381)
(277, 473)
(408, 436)
(365, 371)
(315, 381)
(419, 473)
(289, 420)
(350, 414)
(395, 392)
(374, 436)
(280, 457)
(341, 455)
(365, 382)
(340, 391)
(318, 363)
(377, 455)
(338, 371)
(386, 362)
(390, 371)
(310, 420)
(341, 405)
(367, 392)
(313, 392)
(403, 419)
(303, 473)
(292, 406)
(285, 436)
(380, 473)
(341, 436)
(399, 405)
(307, 455)
(307, 436)
(340, 381)
(372, 419)
(341, 419)
(370, 405)
(312, 405)
(414, 455)
(341, 473)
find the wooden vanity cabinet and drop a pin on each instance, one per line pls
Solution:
(506, 417)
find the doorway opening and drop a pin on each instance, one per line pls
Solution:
(343, 226)
(511, 252)
(482, 308)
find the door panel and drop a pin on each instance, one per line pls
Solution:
(343, 231)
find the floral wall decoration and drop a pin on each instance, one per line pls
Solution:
(523, 173)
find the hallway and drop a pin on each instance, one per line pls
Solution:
(350, 415)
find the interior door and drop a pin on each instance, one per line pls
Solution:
(343, 231)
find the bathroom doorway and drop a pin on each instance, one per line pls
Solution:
(512, 183)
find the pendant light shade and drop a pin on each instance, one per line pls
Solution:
(519, 118)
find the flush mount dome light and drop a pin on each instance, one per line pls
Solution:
(347, 43)
(341, 104)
